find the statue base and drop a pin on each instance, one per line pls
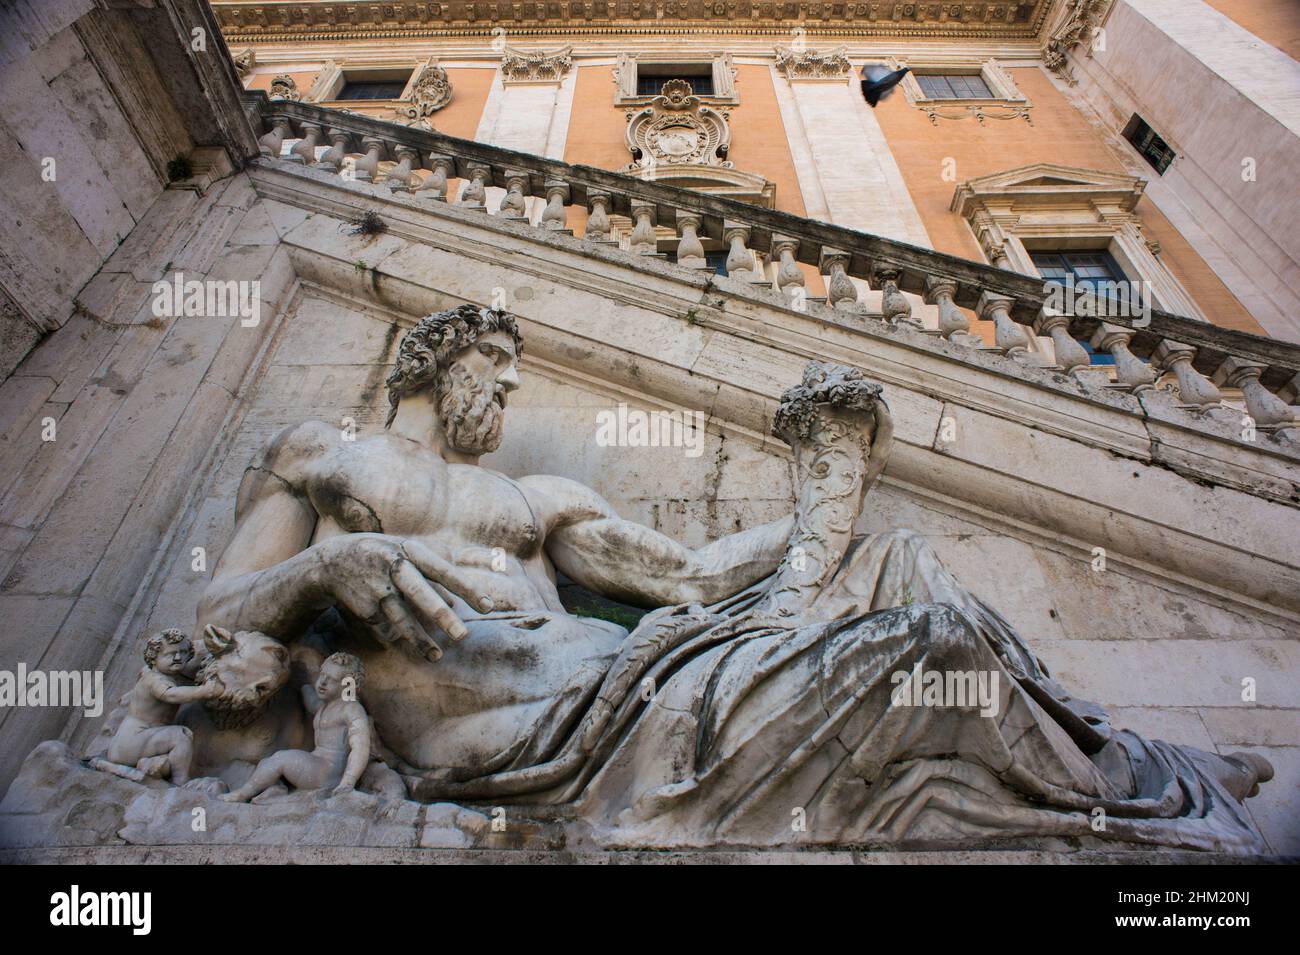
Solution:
(60, 811)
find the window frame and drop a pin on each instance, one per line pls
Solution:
(947, 78)
(1005, 100)
(627, 75)
(334, 75)
(1165, 154)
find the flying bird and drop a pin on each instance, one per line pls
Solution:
(878, 81)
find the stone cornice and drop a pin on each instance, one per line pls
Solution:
(248, 22)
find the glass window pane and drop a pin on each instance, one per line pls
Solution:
(651, 84)
(372, 89)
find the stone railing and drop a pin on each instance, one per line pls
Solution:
(1200, 356)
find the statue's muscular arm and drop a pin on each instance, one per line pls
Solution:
(637, 565)
(272, 578)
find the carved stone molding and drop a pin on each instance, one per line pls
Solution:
(305, 20)
(535, 66)
(430, 92)
(283, 87)
(812, 64)
(676, 128)
(1077, 26)
(244, 61)
(982, 112)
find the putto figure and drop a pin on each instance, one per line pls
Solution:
(342, 731)
(147, 739)
(771, 650)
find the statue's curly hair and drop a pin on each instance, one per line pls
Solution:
(427, 348)
(352, 665)
(169, 637)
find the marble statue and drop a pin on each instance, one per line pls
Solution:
(342, 732)
(147, 740)
(758, 703)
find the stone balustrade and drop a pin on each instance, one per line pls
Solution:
(1197, 355)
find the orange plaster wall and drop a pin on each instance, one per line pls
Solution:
(759, 143)
(1273, 21)
(1059, 135)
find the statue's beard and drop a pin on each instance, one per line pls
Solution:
(471, 417)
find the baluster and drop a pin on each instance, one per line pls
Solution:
(1268, 410)
(690, 250)
(789, 277)
(598, 221)
(474, 195)
(399, 176)
(1007, 334)
(840, 290)
(332, 158)
(513, 205)
(953, 324)
(740, 260)
(1130, 371)
(643, 238)
(894, 306)
(272, 142)
(1195, 391)
(1070, 355)
(366, 168)
(304, 150)
(554, 215)
(1290, 393)
(435, 184)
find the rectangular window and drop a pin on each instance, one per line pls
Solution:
(1152, 148)
(372, 89)
(954, 86)
(650, 79)
(1087, 269)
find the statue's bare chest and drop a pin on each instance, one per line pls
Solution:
(411, 492)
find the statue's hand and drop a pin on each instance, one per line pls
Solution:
(386, 583)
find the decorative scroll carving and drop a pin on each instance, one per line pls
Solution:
(676, 128)
(430, 93)
(535, 66)
(982, 112)
(1080, 20)
(283, 87)
(812, 64)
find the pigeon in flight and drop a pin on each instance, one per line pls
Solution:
(878, 81)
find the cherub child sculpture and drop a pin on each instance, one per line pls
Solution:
(342, 730)
(147, 742)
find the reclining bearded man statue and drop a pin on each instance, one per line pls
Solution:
(762, 689)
